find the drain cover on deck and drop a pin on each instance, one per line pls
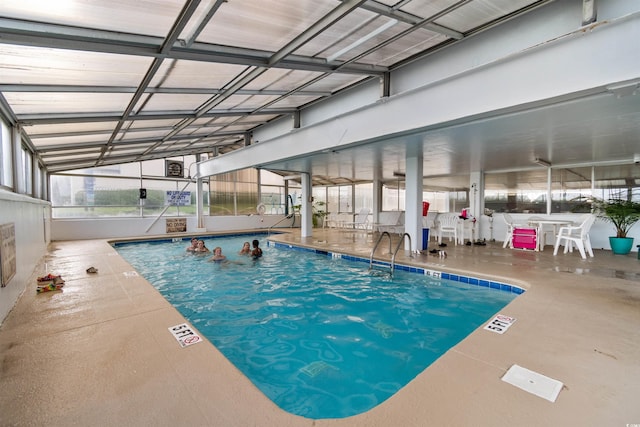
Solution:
(533, 382)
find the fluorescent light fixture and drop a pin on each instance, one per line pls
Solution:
(541, 162)
(362, 40)
(292, 177)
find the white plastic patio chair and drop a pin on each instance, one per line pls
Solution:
(361, 221)
(576, 235)
(447, 225)
(331, 221)
(511, 225)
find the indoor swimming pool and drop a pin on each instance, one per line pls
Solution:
(319, 334)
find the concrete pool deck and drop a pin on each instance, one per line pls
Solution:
(99, 353)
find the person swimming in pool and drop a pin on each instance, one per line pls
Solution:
(217, 255)
(194, 244)
(256, 252)
(201, 248)
(246, 249)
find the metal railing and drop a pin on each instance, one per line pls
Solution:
(393, 258)
(384, 233)
(291, 216)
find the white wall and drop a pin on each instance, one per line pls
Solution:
(109, 228)
(31, 219)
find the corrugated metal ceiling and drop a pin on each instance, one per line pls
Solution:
(114, 81)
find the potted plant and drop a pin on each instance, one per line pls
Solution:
(623, 214)
(317, 212)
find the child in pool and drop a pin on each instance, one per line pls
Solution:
(246, 249)
(256, 252)
(201, 248)
(217, 255)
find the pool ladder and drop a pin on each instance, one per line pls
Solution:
(395, 252)
(290, 216)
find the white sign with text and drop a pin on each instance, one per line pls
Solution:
(500, 323)
(185, 335)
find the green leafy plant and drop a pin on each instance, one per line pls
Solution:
(318, 213)
(622, 213)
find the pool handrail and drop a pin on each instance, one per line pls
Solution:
(376, 247)
(393, 258)
(291, 215)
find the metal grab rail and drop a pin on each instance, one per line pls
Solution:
(292, 215)
(376, 247)
(393, 258)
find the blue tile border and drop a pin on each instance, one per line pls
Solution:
(468, 280)
(473, 281)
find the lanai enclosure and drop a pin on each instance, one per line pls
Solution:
(460, 103)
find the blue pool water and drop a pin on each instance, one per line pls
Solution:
(322, 337)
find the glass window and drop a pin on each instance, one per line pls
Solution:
(333, 199)
(272, 192)
(458, 200)
(519, 192)
(26, 178)
(234, 193)
(6, 154)
(569, 188)
(338, 199)
(37, 183)
(393, 196)
(438, 201)
(614, 182)
(345, 200)
(363, 196)
(89, 195)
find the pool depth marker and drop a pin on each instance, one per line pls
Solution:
(185, 335)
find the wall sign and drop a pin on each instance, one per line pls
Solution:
(177, 198)
(176, 225)
(173, 169)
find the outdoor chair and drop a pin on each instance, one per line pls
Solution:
(447, 225)
(361, 221)
(576, 235)
(511, 225)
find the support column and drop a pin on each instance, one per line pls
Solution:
(476, 200)
(306, 214)
(377, 189)
(413, 196)
(199, 196)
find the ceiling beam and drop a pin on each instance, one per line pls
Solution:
(46, 35)
(132, 89)
(408, 18)
(38, 119)
(139, 141)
